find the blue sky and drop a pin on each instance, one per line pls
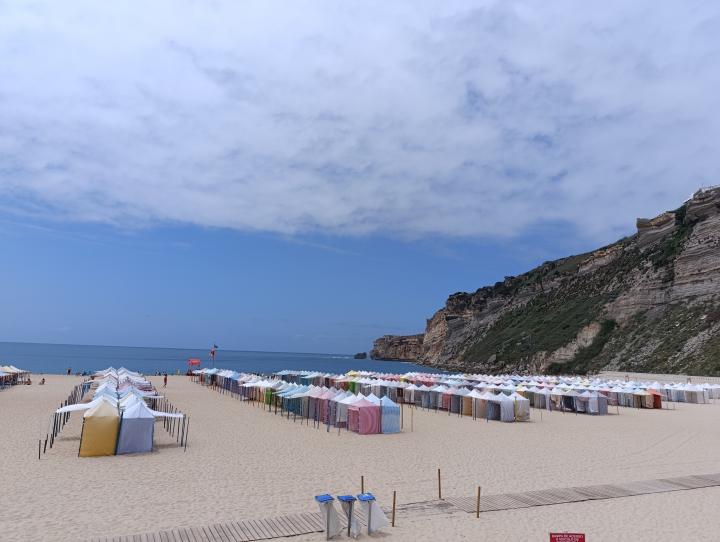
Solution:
(188, 286)
(310, 175)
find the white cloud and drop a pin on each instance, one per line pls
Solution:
(459, 118)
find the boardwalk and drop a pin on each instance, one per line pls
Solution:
(510, 501)
(307, 523)
(242, 531)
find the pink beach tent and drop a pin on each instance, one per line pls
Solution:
(364, 417)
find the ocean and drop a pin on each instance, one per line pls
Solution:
(57, 358)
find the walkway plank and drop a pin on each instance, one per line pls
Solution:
(293, 524)
(240, 528)
(258, 527)
(199, 534)
(239, 533)
(224, 531)
(265, 524)
(251, 530)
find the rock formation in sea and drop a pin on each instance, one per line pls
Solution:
(649, 302)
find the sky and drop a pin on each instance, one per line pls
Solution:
(307, 176)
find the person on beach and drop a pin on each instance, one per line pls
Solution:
(69, 371)
(42, 382)
(165, 380)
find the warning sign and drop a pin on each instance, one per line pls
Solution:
(567, 537)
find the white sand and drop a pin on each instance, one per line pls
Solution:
(245, 463)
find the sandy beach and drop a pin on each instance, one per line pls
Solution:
(243, 462)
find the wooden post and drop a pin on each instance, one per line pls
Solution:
(362, 484)
(402, 413)
(439, 487)
(477, 505)
(393, 510)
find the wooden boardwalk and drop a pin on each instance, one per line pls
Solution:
(311, 522)
(510, 501)
(240, 531)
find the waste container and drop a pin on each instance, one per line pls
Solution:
(330, 516)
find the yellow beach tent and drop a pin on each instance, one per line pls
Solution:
(100, 430)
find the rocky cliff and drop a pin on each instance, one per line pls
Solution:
(649, 302)
(397, 347)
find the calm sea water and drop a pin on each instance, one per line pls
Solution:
(56, 358)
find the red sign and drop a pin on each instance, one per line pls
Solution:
(193, 362)
(567, 537)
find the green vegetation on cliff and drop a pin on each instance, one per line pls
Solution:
(545, 323)
(586, 360)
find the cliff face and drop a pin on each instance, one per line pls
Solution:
(649, 302)
(397, 347)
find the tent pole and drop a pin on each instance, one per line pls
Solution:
(117, 440)
(187, 430)
(393, 508)
(81, 436)
(439, 487)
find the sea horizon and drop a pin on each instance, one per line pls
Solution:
(56, 358)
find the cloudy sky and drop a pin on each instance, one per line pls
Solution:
(452, 141)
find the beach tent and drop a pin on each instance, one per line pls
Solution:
(364, 417)
(437, 393)
(422, 396)
(332, 406)
(100, 430)
(521, 407)
(467, 403)
(657, 398)
(643, 399)
(137, 427)
(389, 416)
(540, 398)
(695, 394)
(477, 398)
(594, 403)
(507, 407)
(455, 399)
(342, 409)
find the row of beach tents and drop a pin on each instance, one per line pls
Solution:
(119, 419)
(323, 405)
(505, 398)
(11, 376)
(638, 394)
